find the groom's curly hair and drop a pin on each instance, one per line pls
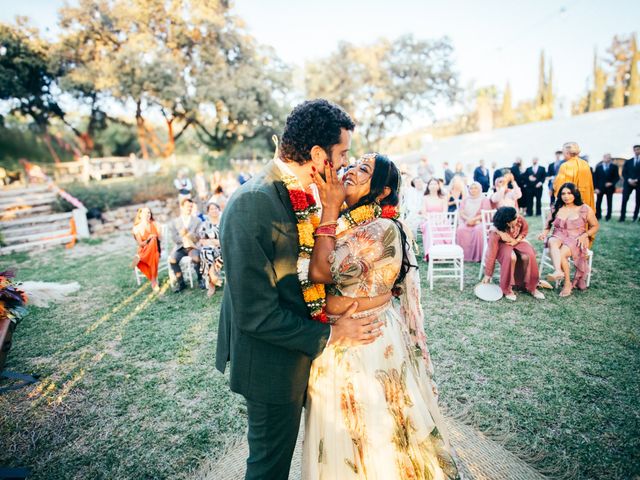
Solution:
(314, 122)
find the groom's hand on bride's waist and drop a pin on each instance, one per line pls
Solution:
(348, 331)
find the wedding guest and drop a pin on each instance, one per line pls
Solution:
(434, 201)
(219, 197)
(577, 171)
(183, 184)
(535, 176)
(605, 177)
(425, 170)
(552, 170)
(508, 245)
(209, 246)
(631, 177)
(447, 173)
(147, 235)
(482, 176)
(459, 172)
(570, 227)
(456, 193)
(469, 233)
(507, 192)
(184, 234)
(412, 204)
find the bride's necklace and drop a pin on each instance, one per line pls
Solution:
(365, 214)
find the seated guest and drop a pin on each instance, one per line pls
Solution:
(507, 245)
(507, 192)
(457, 191)
(184, 231)
(572, 224)
(412, 204)
(147, 234)
(469, 234)
(209, 246)
(433, 201)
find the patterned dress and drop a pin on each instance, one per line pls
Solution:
(209, 255)
(372, 410)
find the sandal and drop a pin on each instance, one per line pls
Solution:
(511, 296)
(564, 293)
(537, 294)
(554, 277)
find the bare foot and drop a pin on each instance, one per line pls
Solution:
(566, 291)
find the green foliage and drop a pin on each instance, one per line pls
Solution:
(117, 140)
(118, 192)
(381, 84)
(26, 77)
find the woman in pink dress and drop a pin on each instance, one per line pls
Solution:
(469, 234)
(573, 224)
(507, 245)
(434, 201)
(507, 192)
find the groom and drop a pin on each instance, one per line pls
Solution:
(265, 329)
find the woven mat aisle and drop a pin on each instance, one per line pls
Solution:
(482, 459)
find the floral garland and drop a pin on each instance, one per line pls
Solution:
(12, 299)
(365, 214)
(306, 210)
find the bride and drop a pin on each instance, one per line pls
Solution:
(372, 410)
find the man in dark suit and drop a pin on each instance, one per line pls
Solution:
(605, 177)
(552, 170)
(265, 327)
(448, 173)
(521, 180)
(482, 176)
(535, 176)
(631, 175)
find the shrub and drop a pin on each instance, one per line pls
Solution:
(117, 193)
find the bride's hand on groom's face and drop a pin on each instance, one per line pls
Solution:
(349, 332)
(331, 190)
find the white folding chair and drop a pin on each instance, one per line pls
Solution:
(487, 221)
(164, 254)
(446, 259)
(545, 262)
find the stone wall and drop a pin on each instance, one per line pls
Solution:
(121, 219)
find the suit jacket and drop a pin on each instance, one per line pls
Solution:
(448, 175)
(518, 175)
(600, 177)
(265, 330)
(176, 225)
(629, 171)
(541, 174)
(552, 171)
(482, 179)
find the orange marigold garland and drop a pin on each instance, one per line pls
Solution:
(306, 210)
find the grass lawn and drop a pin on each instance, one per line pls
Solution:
(128, 388)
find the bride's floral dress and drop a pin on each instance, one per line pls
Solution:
(372, 410)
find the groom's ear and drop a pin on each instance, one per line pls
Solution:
(318, 156)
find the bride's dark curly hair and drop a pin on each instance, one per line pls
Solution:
(314, 122)
(387, 174)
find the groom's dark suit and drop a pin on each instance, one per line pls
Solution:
(265, 330)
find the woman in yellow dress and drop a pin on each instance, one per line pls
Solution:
(372, 410)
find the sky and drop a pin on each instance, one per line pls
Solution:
(494, 41)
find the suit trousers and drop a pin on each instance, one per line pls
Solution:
(606, 193)
(273, 431)
(534, 194)
(626, 193)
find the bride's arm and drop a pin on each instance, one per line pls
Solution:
(332, 195)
